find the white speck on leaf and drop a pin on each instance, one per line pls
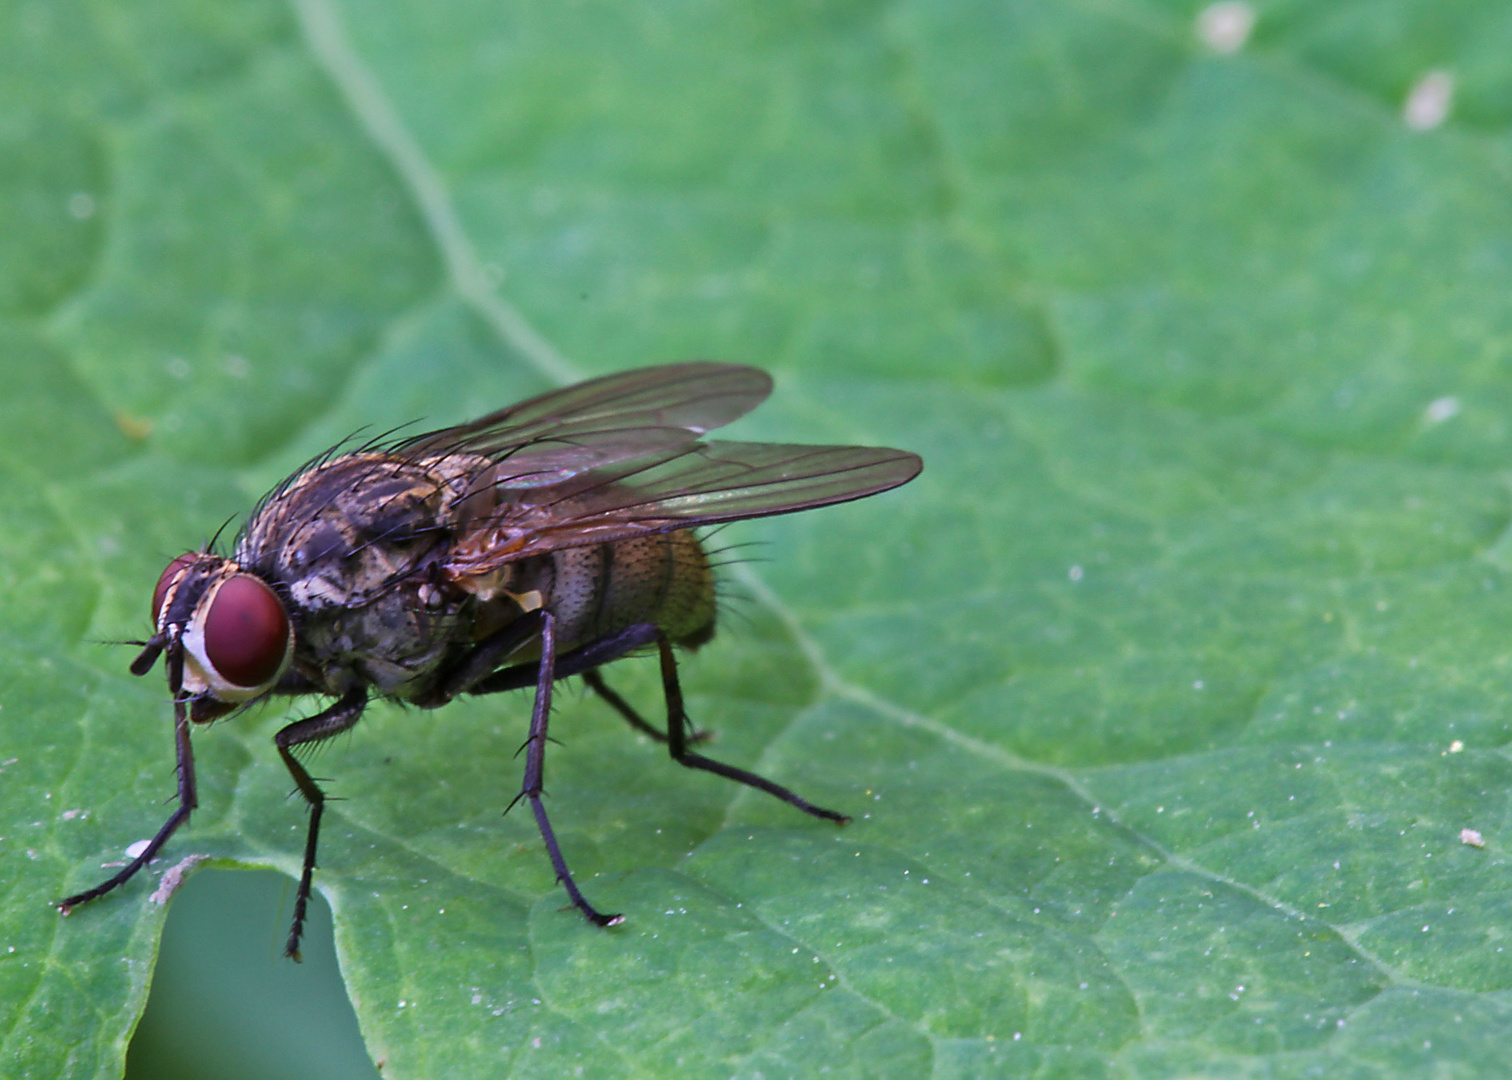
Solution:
(1441, 409)
(1225, 26)
(1427, 106)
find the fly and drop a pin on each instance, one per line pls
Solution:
(538, 542)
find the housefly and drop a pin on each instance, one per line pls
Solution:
(538, 542)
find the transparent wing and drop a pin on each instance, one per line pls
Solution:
(702, 484)
(631, 415)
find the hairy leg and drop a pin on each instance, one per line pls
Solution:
(323, 725)
(535, 767)
(188, 798)
(678, 739)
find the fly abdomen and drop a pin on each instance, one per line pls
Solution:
(663, 579)
(688, 605)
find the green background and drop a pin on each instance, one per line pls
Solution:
(1161, 698)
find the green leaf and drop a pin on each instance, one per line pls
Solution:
(1171, 701)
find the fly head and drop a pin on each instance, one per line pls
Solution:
(226, 632)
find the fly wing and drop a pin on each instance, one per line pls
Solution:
(562, 433)
(703, 484)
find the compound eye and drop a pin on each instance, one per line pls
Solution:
(246, 632)
(161, 592)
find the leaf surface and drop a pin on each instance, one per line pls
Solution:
(1171, 700)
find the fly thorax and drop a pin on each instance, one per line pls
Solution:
(349, 530)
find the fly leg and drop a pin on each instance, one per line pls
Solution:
(596, 683)
(333, 721)
(583, 658)
(585, 661)
(187, 798)
(484, 659)
(678, 739)
(535, 765)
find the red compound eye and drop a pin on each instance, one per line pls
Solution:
(246, 632)
(161, 592)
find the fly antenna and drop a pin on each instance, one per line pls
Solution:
(151, 649)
